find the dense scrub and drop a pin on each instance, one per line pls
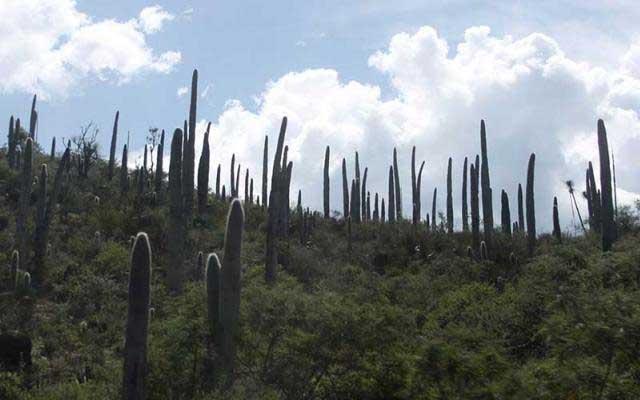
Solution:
(400, 313)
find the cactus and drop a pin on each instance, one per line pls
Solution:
(356, 201)
(428, 222)
(354, 190)
(392, 203)
(188, 166)
(475, 205)
(11, 143)
(596, 202)
(24, 199)
(345, 190)
(203, 173)
(159, 167)
(218, 182)
(363, 194)
(485, 183)
(251, 191)
(275, 199)
(607, 214)
(556, 221)
(230, 287)
(124, 172)
(484, 254)
(398, 193)
(325, 183)
(265, 167)
(521, 223)
(349, 238)
(224, 194)
(213, 288)
(112, 152)
(246, 186)
(284, 207)
(33, 120)
(368, 207)
(233, 177)
(470, 253)
(376, 210)
(415, 187)
(135, 346)
(433, 208)
(237, 184)
(382, 212)
(15, 264)
(506, 214)
(449, 197)
(465, 213)
(531, 211)
(176, 232)
(53, 149)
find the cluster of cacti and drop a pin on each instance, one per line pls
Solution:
(135, 345)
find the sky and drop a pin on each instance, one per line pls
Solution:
(362, 76)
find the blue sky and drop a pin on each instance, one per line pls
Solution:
(583, 61)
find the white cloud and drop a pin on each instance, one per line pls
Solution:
(152, 18)
(206, 91)
(48, 47)
(533, 97)
(301, 43)
(182, 91)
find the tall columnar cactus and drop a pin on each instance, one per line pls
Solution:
(135, 345)
(218, 181)
(26, 179)
(433, 208)
(285, 187)
(177, 226)
(556, 221)
(465, 212)
(398, 193)
(607, 216)
(325, 183)
(275, 203)
(52, 155)
(233, 176)
(506, 214)
(392, 201)
(112, 152)
(596, 202)
(190, 147)
(159, 167)
(230, 287)
(416, 184)
(345, 190)
(475, 206)
(11, 143)
(224, 194)
(363, 194)
(17, 135)
(237, 184)
(382, 212)
(368, 213)
(349, 234)
(485, 183)
(449, 197)
(15, 264)
(376, 210)
(203, 173)
(265, 167)
(124, 171)
(354, 190)
(33, 120)
(521, 224)
(251, 191)
(246, 186)
(355, 195)
(213, 285)
(531, 210)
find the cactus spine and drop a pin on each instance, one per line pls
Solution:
(265, 167)
(449, 197)
(607, 215)
(325, 184)
(24, 199)
(556, 221)
(345, 189)
(112, 152)
(506, 214)
(392, 202)
(398, 193)
(475, 206)
(531, 211)
(135, 346)
(159, 167)
(465, 212)
(176, 215)
(203, 173)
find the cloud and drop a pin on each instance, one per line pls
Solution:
(206, 91)
(182, 91)
(152, 18)
(48, 47)
(301, 43)
(532, 96)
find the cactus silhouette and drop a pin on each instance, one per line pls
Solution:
(465, 212)
(26, 179)
(124, 171)
(159, 162)
(112, 151)
(433, 208)
(188, 163)
(275, 205)
(505, 213)
(398, 193)
(52, 154)
(556, 221)
(475, 205)
(218, 182)
(382, 212)
(325, 184)
(531, 210)
(355, 211)
(135, 346)
(449, 197)
(392, 201)
(345, 189)
(607, 216)
(265, 167)
(484, 254)
(203, 173)
(521, 224)
(416, 183)
(485, 183)
(363, 195)
(12, 139)
(176, 231)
